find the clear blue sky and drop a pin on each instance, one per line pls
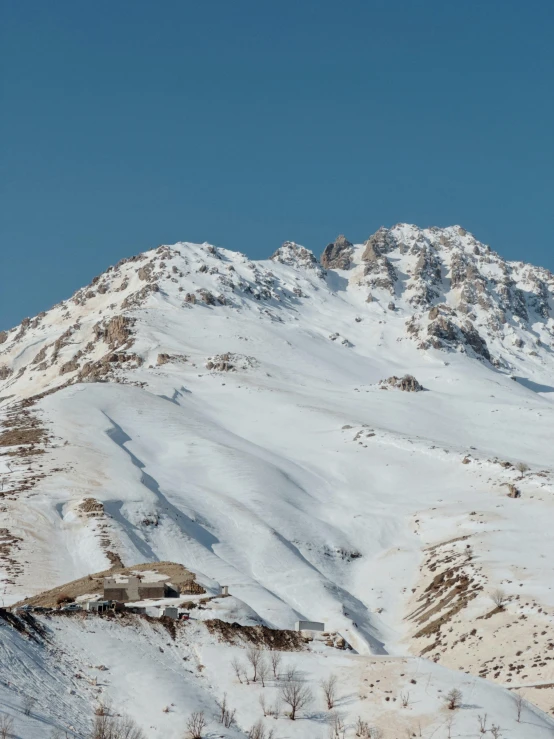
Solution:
(130, 123)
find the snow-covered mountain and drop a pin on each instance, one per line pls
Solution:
(248, 420)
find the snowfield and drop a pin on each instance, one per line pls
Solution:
(229, 415)
(137, 667)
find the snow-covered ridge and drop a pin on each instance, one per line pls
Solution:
(450, 291)
(248, 420)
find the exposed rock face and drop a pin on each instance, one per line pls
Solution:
(103, 369)
(165, 358)
(230, 362)
(378, 268)
(207, 297)
(450, 292)
(115, 331)
(297, 256)
(338, 254)
(513, 492)
(474, 339)
(408, 383)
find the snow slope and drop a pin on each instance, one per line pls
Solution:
(228, 415)
(137, 667)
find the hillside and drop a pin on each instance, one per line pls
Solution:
(239, 418)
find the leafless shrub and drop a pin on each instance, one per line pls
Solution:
(519, 701)
(405, 699)
(498, 597)
(258, 731)
(291, 674)
(238, 669)
(329, 688)
(362, 728)
(337, 729)
(450, 725)
(295, 695)
(226, 715)
(196, 723)
(522, 468)
(28, 703)
(102, 709)
(482, 723)
(268, 709)
(454, 699)
(64, 598)
(254, 655)
(276, 658)
(496, 732)
(6, 726)
(116, 727)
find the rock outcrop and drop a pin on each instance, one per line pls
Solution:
(407, 383)
(338, 254)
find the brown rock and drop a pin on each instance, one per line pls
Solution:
(338, 254)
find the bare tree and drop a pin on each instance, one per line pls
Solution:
(482, 723)
(263, 704)
(454, 699)
(450, 725)
(496, 732)
(337, 729)
(498, 597)
(264, 671)
(276, 658)
(6, 726)
(226, 715)
(295, 695)
(196, 723)
(522, 468)
(254, 655)
(238, 668)
(329, 688)
(519, 701)
(405, 699)
(28, 703)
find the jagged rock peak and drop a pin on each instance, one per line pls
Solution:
(294, 255)
(337, 254)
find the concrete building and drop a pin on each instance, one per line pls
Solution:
(130, 588)
(170, 612)
(309, 626)
(102, 606)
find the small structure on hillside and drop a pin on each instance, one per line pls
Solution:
(138, 586)
(129, 588)
(309, 626)
(102, 606)
(170, 612)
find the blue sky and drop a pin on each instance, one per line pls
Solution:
(129, 124)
